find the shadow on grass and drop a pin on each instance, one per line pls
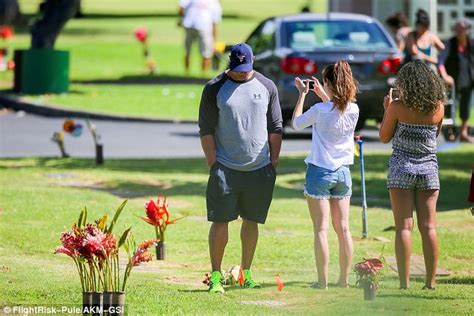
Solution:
(457, 280)
(430, 295)
(192, 291)
(146, 79)
(455, 167)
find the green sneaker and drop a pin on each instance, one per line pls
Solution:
(249, 282)
(215, 285)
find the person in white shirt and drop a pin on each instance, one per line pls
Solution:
(200, 19)
(328, 183)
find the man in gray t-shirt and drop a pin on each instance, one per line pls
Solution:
(240, 124)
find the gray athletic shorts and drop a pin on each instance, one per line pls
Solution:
(205, 42)
(232, 193)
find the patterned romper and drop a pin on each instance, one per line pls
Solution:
(413, 164)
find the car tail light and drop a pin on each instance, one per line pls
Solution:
(298, 65)
(389, 66)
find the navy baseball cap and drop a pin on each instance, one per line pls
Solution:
(241, 58)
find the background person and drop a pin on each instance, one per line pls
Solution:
(412, 123)
(328, 184)
(420, 42)
(240, 125)
(200, 19)
(456, 66)
(398, 24)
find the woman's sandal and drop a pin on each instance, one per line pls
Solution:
(427, 288)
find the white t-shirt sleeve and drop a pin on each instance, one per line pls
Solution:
(306, 119)
(184, 3)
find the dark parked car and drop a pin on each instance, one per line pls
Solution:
(302, 45)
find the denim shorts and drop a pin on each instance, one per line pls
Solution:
(324, 184)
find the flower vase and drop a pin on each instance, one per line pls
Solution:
(86, 302)
(160, 250)
(97, 303)
(118, 303)
(107, 302)
(370, 291)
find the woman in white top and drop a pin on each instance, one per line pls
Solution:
(328, 183)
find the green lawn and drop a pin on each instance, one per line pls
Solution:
(41, 197)
(107, 68)
(104, 50)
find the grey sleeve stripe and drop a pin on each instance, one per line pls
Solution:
(274, 117)
(208, 110)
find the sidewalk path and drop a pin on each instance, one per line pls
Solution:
(27, 135)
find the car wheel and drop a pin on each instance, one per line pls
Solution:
(450, 133)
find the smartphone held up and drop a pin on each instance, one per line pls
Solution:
(395, 94)
(311, 83)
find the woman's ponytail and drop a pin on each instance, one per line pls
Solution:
(343, 85)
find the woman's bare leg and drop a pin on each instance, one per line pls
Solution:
(403, 202)
(425, 203)
(340, 222)
(319, 211)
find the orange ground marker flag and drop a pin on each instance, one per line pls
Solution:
(279, 282)
(241, 276)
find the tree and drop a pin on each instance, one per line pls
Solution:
(9, 11)
(54, 15)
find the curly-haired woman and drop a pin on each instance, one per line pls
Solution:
(328, 185)
(412, 122)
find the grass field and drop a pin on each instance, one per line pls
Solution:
(40, 198)
(107, 69)
(107, 65)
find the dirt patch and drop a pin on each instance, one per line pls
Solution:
(4, 269)
(63, 175)
(417, 266)
(264, 303)
(157, 183)
(197, 218)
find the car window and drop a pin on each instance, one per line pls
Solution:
(263, 38)
(311, 35)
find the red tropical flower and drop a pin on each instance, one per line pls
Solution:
(109, 243)
(6, 32)
(68, 239)
(158, 216)
(368, 271)
(94, 244)
(141, 34)
(157, 213)
(375, 263)
(64, 250)
(147, 244)
(141, 254)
